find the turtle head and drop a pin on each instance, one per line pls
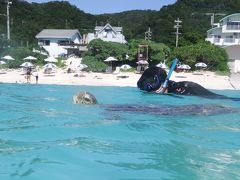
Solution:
(84, 98)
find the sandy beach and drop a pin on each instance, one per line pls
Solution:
(207, 79)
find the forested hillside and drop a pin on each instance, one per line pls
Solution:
(27, 19)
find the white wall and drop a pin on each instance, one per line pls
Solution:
(234, 54)
(76, 39)
(233, 51)
(55, 50)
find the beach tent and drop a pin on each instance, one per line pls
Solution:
(201, 65)
(30, 58)
(82, 66)
(26, 64)
(142, 62)
(49, 66)
(125, 67)
(2, 62)
(51, 59)
(142, 66)
(184, 67)
(8, 58)
(162, 65)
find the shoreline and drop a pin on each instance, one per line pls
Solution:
(207, 79)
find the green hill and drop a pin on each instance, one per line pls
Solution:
(27, 19)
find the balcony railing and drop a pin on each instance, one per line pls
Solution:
(233, 27)
(71, 44)
(229, 40)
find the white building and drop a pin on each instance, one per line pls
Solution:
(107, 33)
(226, 34)
(59, 42)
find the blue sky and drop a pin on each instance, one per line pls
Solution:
(113, 6)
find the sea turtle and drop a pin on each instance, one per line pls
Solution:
(166, 110)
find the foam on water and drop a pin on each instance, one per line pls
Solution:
(43, 135)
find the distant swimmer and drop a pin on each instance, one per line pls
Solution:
(153, 79)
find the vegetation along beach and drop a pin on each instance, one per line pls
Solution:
(50, 51)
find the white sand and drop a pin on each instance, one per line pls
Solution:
(207, 79)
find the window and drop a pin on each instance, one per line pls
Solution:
(47, 42)
(63, 43)
(217, 38)
(44, 42)
(105, 34)
(229, 39)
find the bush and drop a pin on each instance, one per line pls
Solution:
(93, 64)
(101, 50)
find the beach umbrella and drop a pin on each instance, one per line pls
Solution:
(125, 67)
(162, 65)
(142, 62)
(30, 58)
(26, 64)
(82, 66)
(110, 59)
(201, 65)
(49, 66)
(184, 67)
(9, 58)
(2, 62)
(51, 59)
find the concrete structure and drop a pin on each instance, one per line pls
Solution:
(60, 42)
(107, 33)
(226, 34)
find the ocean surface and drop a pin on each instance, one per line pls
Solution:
(43, 135)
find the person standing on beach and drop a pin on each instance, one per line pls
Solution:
(36, 76)
(29, 72)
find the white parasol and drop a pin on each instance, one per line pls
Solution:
(9, 58)
(51, 59)
(30, 58)
(110, 59)
(26, 64)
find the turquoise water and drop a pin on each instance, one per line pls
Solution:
(43, 135)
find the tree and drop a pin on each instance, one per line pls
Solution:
(215, 57)
(19, 53)
(99, 50)
(157, 51)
